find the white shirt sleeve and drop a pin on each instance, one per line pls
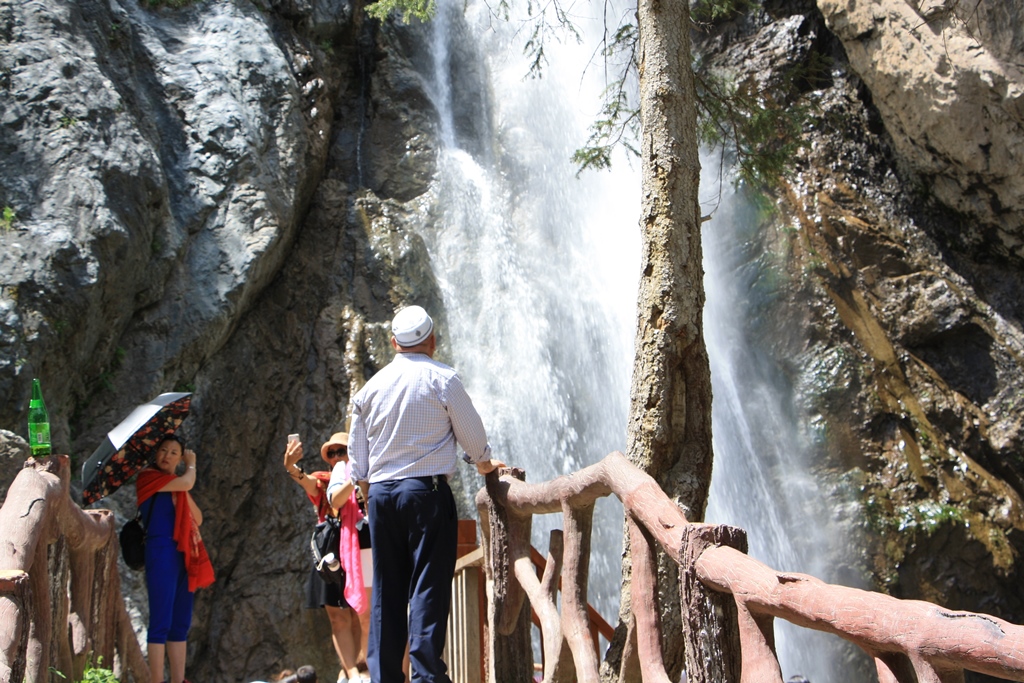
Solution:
(339, 477)
(466, 423)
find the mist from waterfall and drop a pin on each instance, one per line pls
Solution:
(761, 480)
(538, 269)
(539, 272)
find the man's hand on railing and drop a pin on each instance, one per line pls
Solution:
(488, 466)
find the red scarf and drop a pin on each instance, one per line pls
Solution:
(186, 531)
(320, 502)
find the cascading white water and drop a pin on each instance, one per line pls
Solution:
(539, 270)
(761, 479)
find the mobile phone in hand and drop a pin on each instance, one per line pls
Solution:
(293, 437)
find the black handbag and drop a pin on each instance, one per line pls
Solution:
(133, 540)
(363, 526)
(325, 545)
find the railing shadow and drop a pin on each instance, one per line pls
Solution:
(60, 591)
(728, 600)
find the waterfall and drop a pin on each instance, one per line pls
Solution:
(539, 270)
(761, 479)
(536, 267)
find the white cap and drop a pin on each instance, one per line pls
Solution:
(411, 326)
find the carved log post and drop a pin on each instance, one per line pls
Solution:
(83, 569)
(60, 576)
(509, 652)
(710, 621)
(49, 544)
(757, 642)
(647, 631)
(105, 608)
(578, 521)
(40, 626)
(543, 596)
(90, 535)
(15, 603)
(898, 667)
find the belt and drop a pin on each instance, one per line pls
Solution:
(433, 480)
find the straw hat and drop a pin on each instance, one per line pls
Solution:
(337, 439)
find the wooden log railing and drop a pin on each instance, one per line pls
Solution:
(728, 600)
(60, 592)
(467, 625)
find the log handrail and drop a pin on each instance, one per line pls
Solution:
(41, 527)
(599, 627)
(909, 640)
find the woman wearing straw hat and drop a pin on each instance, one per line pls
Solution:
(343, 604)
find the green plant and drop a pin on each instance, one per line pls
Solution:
(7, 218)
(410, 9)
(707, 11)
(97, 674)
(94, 673)
(762, 131)
(927, 516)
(117, 35)
(68, 121)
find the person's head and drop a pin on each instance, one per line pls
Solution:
(335, 448)
(168, 455)
(305, 674)
(412, 331)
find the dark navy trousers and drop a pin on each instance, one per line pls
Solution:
(414, 534)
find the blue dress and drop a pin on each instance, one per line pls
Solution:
(170, 600)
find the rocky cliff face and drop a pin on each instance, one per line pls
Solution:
(890, 262)
(211, 197)
(226, 197)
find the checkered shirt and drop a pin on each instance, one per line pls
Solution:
(407, 420)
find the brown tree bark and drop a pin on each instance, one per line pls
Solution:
(669, 430)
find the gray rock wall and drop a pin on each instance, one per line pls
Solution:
(948, 81)
(211, 198)
(158, 181)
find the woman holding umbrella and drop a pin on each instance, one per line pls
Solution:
(176, 559)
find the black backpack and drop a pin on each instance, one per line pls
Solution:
(326, 540)
(133, 540)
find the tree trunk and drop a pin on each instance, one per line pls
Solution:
(669, 431)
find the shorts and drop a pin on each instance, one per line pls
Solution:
(319, 593)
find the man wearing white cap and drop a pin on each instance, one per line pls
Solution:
(406, 423)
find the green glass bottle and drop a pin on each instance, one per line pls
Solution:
(38, 423)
